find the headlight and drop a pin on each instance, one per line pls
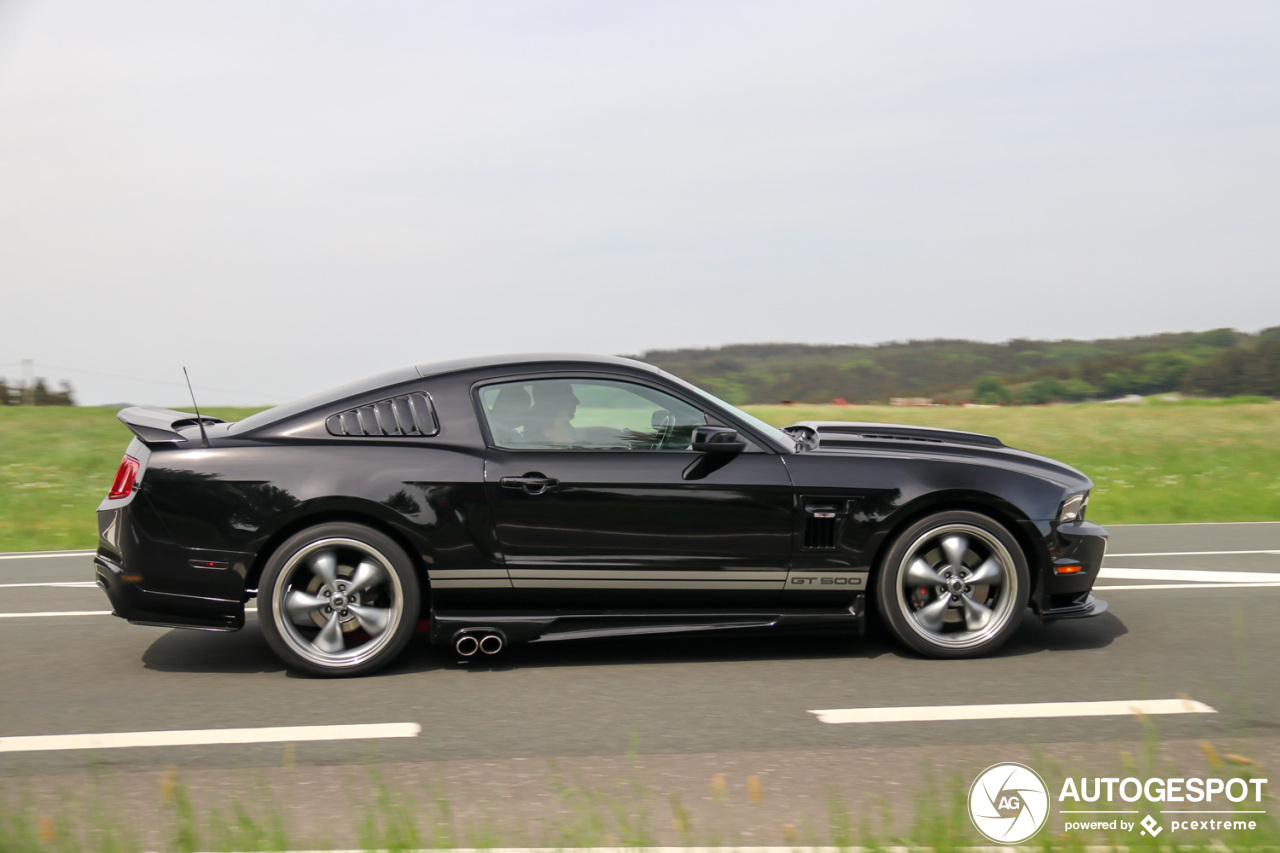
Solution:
(1073, 507)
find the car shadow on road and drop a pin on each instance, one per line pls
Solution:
(183, 650)
(1034, 636)
(246, 651)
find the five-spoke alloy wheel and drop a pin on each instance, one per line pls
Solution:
(953, 585)
(338, 599)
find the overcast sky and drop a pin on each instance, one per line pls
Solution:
(285, 196)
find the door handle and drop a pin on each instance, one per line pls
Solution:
(533, 484)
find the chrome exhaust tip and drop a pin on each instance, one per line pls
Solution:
(491, 644)
(467, 645)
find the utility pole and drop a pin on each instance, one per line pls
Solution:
(28, 385)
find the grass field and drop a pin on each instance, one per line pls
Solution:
(120, 813)
(56, 465)
(1152, 462)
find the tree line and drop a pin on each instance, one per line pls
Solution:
(39, 394)
(1216, 363)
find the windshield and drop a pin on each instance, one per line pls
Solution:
(782, 440)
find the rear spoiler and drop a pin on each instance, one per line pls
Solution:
(160, 426)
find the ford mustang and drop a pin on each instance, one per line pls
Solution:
(534, 498)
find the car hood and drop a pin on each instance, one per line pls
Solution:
(849, 437)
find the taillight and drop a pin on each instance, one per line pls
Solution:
(125, 477)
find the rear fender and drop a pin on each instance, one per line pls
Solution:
(356, 512)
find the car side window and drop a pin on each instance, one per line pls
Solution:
(587, 414)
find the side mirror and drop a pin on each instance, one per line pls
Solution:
(717, 439)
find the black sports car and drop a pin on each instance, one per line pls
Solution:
(549, 497)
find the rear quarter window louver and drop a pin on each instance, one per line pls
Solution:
(408, 415)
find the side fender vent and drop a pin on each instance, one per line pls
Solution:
(406, 415)
(821, 528)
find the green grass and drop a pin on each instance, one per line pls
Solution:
(56, 465)
(1161, 461)
(116, 814)
(1152, 462)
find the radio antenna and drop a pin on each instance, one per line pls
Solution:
(204, 436)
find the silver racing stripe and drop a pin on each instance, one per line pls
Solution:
(643, 584)
(550, 577)
(470, 583)
(727, 575)
(489, 578)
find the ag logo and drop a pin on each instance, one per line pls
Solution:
(1008, 803)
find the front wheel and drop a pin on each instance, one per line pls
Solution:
(954, 585)
(338, 599)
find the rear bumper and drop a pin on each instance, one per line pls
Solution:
(129, 600)
(152, 580)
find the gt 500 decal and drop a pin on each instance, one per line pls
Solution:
(852, 580)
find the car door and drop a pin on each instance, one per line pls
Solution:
(599, 502)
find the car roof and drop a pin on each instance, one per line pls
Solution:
(333, 396)
(530, 359)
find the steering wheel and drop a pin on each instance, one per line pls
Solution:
(665, 427)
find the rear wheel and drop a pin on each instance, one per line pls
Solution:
(954, 585)
(338, 599)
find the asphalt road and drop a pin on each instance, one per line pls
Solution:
(516, 738)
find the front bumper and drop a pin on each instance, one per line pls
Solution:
(1070, 596)
(1085, 605)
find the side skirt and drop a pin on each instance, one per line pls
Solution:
(446, 626)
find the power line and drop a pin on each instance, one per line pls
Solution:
(159, 381)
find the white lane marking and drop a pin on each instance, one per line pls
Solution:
(63, 584)
(1187, 586)
(1191, 524)
(1188, 575)
(1021, 711)
(204, 737)
(44, 554)
(247, 610)
(1188, 553)
(55, 613)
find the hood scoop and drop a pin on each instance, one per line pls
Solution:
(836, 433)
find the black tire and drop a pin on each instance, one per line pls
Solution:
(338, 599)
(953, 585)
